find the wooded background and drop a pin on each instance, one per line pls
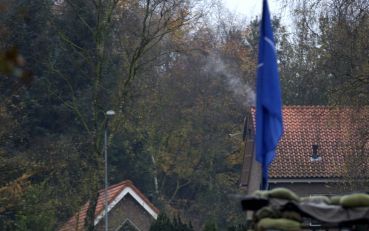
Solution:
(179, 74)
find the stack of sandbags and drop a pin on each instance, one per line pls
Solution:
(271, 218)
(268, 218)
(281, 224)
(276, 215)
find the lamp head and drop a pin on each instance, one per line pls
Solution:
(110, 113)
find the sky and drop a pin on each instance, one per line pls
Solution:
(250, 8)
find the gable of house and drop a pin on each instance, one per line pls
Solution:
(125, 202)
(128, 225)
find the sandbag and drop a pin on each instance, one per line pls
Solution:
(266, 212)
(292, 215)
(355, 200)
(283, 193)
(260, 194)
(279, 224)
(335, 200)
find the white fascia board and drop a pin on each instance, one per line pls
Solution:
(120, 197)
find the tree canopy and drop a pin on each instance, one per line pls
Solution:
(179, 77)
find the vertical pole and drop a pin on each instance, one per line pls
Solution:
(108, 114)
(106, 173)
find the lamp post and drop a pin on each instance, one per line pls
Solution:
(108, 114)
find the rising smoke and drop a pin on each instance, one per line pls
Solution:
(241, 91)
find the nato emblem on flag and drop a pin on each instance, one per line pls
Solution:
(269, 124)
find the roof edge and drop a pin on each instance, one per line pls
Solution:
(135, 193)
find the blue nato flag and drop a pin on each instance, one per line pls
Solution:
(269, 123)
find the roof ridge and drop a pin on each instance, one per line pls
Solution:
(125, 182)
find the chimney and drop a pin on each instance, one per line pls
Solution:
(315, 156)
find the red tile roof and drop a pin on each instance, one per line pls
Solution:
(334, 130)
(78, 220)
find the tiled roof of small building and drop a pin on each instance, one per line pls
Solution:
(334, 130)
(77, 222)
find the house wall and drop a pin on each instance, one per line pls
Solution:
(250, 178)
(251, 170)
(306, 188)
(127, 208)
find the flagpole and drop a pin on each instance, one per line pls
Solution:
(108, 114)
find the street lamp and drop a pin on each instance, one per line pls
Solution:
(108, 114)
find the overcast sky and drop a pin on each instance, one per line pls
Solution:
(250, 8)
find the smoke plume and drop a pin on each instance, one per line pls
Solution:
(241, 91)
